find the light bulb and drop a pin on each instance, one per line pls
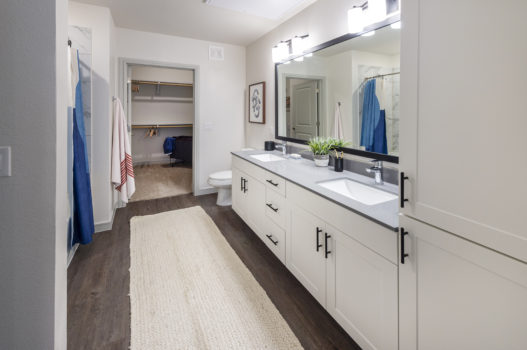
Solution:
(355, 20)
(376, 10)
(276, 54)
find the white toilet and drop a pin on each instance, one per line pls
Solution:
(222, 180)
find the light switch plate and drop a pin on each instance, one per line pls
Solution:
(5, 161)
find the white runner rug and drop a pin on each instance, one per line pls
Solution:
(189, 289)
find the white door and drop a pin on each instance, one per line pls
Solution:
(463, 126)
(255, 205)
(458, 295)
(304, 107)
(239, 193)
(362, 292)
(305, 256)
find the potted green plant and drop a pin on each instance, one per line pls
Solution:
(320, 147)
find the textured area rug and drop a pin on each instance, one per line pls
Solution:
(189, 289)
(161, 180)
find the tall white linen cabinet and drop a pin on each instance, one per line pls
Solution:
(463, 164)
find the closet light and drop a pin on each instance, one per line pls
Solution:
(396, 25)
(355, 20)
(376, 10)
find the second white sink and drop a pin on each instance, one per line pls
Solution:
(267, 157)
(357, 191)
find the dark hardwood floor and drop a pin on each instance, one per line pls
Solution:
(98, 282)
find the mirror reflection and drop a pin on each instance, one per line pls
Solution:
(347, 91)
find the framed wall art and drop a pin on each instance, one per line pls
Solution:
(257, 103)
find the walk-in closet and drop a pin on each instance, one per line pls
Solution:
(161, 110)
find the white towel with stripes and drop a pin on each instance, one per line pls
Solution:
(122, 168)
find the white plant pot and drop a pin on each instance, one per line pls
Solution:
(321, 160)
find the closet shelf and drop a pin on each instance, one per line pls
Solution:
(162, 99)
(146, 82)
(150, 126)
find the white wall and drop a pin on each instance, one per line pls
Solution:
(100, 21)
(219, 98)
(32, 214)
(323, 21)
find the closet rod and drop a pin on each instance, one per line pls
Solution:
(145, 82)
(381, 75)
(152, 126)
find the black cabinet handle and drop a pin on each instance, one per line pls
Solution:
(403, 254)
(241, 183)
(326, 237)
(272, 183)
(319, 230)
(271, 239)
(245, 189)
(401, 185)
(272, 208)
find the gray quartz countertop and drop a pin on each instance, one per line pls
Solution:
(304, 173)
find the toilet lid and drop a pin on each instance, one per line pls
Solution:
(222, 175)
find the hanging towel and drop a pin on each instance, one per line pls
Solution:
(380, 145)
(370, 116)
(122, 168)
(338, 131)
(168, 145)
(83, 226)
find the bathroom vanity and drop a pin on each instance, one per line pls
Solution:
(338, 243)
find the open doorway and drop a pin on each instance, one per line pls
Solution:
(161, 112)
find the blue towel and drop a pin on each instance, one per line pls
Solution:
(168, 145)
(83, 226)
(380, 145)
(370, 116)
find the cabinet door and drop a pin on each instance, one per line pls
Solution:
(238, 194)
(305, 252)
(463, 127)
(255, 205)
(362, 292)
(458, 295)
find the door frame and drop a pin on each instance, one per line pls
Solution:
(322, 96)
(124, 63)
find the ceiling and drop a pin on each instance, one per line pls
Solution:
(238, 22)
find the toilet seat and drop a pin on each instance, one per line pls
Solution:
(221, 178)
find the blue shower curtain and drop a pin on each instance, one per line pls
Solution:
(373, 131)
(83, 226)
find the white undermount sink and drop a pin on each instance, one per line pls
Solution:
(267, 157)
(357, 191)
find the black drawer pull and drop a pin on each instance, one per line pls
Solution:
(272, 183)
(272, 208)
(403, 254)
(327, 252)
(401, 185)
(245, 189)
(318, 238)
(271, 239)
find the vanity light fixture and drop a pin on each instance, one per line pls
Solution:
(376, 10)
(285, 49)
(372, 11)
(356, 19)
(280, 52)
(396, 25)
(370, 33)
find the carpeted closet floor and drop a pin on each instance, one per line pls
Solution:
(161, 180)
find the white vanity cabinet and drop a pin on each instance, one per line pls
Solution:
(458, 295)
(305, 252)
(462, 128)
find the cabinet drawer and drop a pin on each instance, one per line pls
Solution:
(275, 207)
(274, 238)
(248, 168)
(275, 183)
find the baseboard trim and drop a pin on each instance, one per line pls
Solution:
(105, 225)
(205, 191)
(71, 254)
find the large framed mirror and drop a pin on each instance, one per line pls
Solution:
(347, 88)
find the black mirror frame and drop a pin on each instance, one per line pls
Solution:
(340, 39)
